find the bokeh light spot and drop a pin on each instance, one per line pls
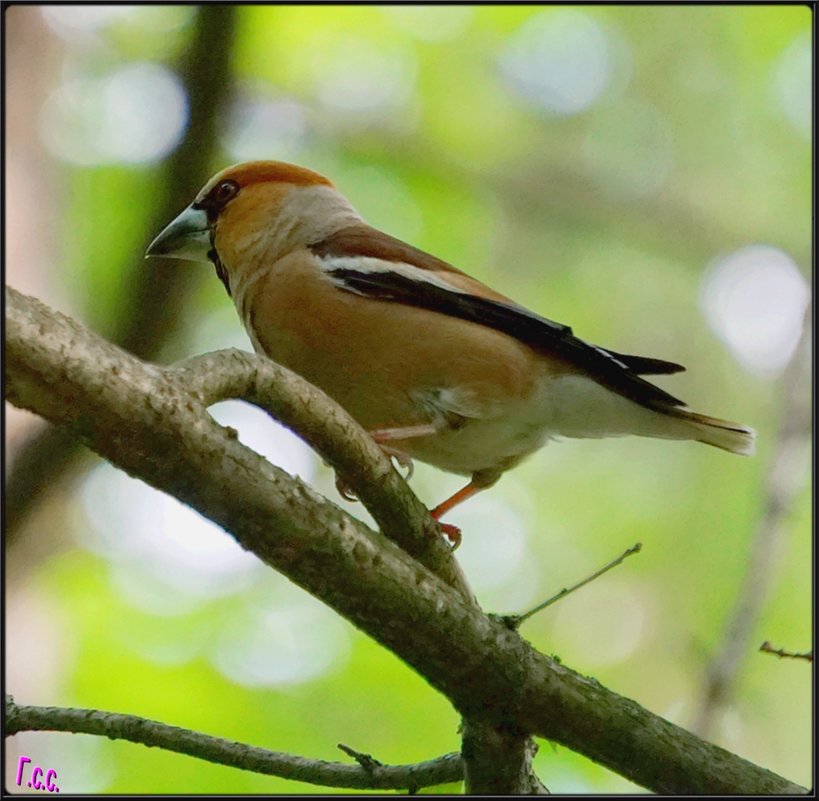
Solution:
(264, 435)
(562, 60)
(494, 549)
(431, 23)
(604, 623)
(792, 83)
(755, 299)
(85, 27)
(72, 22)
(165, 557)
(136, 113)
(357, 76)
(289, 644)
(260, 128)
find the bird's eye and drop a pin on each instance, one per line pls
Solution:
(224, 191)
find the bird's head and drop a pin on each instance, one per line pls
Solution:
(252, 211)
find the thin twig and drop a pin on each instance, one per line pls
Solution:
(514, 621)
(787, 474)
(767, 648)
(444, 769)
(367, 761)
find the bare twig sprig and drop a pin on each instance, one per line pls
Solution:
(367, 761)
(444, 769)
(767, 648)
(784, 479)
(514, 621)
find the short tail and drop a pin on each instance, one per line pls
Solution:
(723, 434)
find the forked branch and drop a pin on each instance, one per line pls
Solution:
(145, 420)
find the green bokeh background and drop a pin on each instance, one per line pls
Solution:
(606, 219)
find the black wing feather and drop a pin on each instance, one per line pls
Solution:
(614, 370)
(645, 365)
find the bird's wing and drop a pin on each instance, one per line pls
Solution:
(645, 365)
(365, 261)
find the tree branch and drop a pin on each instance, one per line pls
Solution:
(337, 438)
(495, 758)
(448, 768)
(152, 293)
(400, 515)
(143, 419)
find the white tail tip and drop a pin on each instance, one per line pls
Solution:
(724, 434)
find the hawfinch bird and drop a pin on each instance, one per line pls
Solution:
(434, 364)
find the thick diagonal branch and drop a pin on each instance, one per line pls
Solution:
(143, 420)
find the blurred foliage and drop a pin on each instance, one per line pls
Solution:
(606, 217)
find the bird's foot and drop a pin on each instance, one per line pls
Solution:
(452, 533)
(402, 458)
(384, 435)
(344, 490)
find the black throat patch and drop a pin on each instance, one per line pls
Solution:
(221, 272)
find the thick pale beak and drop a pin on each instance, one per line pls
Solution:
(187, 237)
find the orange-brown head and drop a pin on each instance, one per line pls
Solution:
(252, 211)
